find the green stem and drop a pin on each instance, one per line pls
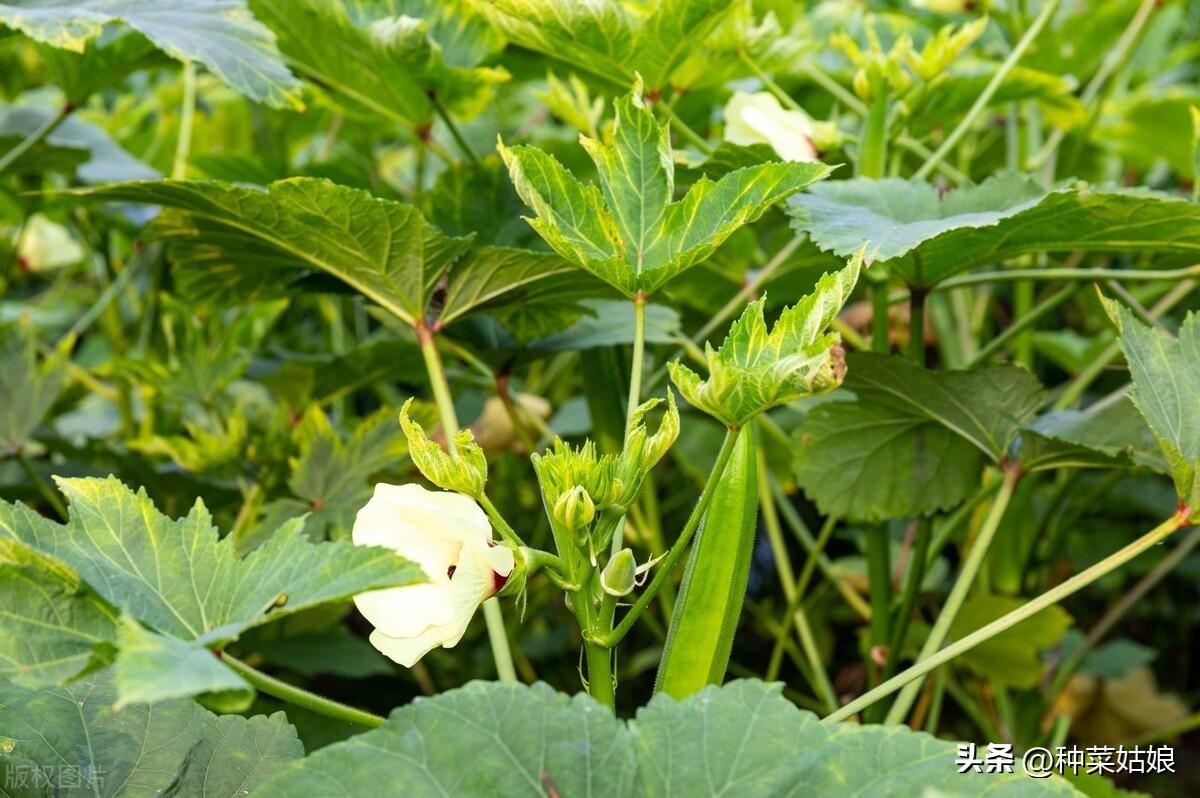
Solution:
(993, 85)
(498, 637)
(1118, 610)
(1070, 275)
(445, 405)
(806, 573)
(768, 83)
(958, 593)
(47, 127)
(148, 255)
(1022, 306)
(787, 579)
(880, 337)
(792, 518)
(1023, 323)
(685, 130)
(639, 357)
(187, 114)
(879, 582)
(502, 526)
(1113, 61)
(300, 697)
(1027, 610)
(452, 126)
(872, 153)
(613, 637)
(48, 493)
(912, 588)
(441, 390)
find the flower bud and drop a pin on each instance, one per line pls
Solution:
(620, 574)
(575, 509)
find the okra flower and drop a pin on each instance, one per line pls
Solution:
(449, 536)
(759, 119)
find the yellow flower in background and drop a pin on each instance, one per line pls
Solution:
(47, 245)
(450, 537)
(944, 6)
(759, 119)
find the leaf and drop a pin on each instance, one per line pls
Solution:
(178, 578)
(626, 230)
(220, 34)
(1166, 389)
(28, 385)
(52, 627)
(495, 277)
(614, 40)
(241, 239)
(71, 737)
(1011, 658)
(235, 754)
(740, 739)
(755, 370)
(1000, 218)
(1112, 434)
(383, 69)
(912, 441)
(153, 667)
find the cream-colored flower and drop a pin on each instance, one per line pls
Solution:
(760, 119)
(449, 536)
(943, 6)
(46, 245)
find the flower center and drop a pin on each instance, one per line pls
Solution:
(450, 571)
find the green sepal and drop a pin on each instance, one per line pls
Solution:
(464, 472)
(755, 370)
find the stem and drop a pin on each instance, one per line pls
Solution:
(441, 390)
(685, 130)
(1113, 61)
(301, 697)
(912, 587)
(1118, 610)
(879, 582)
(784, 98)
(826, 567)
(47, 127)
(985, 97)
(187, 113)
(1027, 610)
(787, 579)
(958, 593)
(498, 636)
(502, 526)
(797, 597)
(872, 153)
(918, 294)
(880, 338)
(1023, 323)
(445, 405)
(48, 493)
(639, 356)
(1071, 275)
(452, 126)
(749, 288)
(610, 639)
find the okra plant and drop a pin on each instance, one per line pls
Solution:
(533, 397)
